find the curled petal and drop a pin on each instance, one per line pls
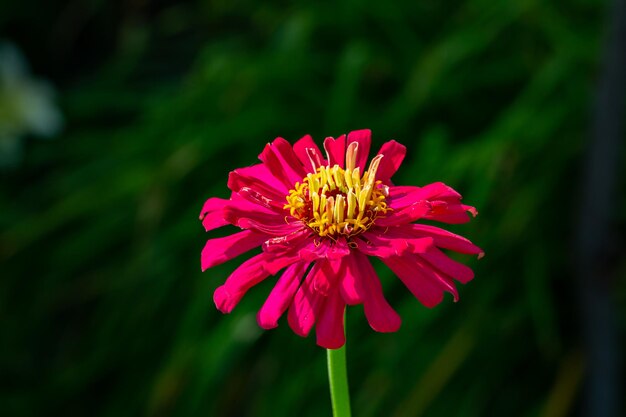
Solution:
(360, 284)
(282, 162)
(324, 249)
(212, 213)
(426, 287)
(281, 296)
(417, 210)
(444, 239)
(350, 285)
(257, 198)
(270, 223)
(219, 250)
(448, 266)
(285, 243)
(306, 304)
(335, 150)
(449, 213)
(249, 273)
(434, 201)
(385, 246)
(394, 153)
(401, 196)
(364, 139)
(242, 177)
(329, 328)
(309, 154)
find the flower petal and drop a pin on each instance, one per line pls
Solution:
(449, 213)
(423, 286)
(364, 139)
(212, 214)
(360, 284)
(394, 153)
(259, 219)
(401, 196)
(308, 153)
(282, 162)
(306, 304)
(281, 295)
(415, 211)
(269, 227)
(249, 273)
(445, 204)
(336, 150)
(329, 328)
(219, 250)
(434, 201)
(445, 239)
(285, 243)
(350, 285)
(259, 199)
(448, 266)
(385, 246)
(325, 249)
(255, 177)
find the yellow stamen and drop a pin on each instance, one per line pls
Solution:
(335, 201)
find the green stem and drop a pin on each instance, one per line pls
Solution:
(338, 378)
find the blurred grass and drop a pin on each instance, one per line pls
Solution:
(104, 309)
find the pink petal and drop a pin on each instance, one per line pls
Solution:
(387, 245)
(448, 266)
(445, 239)
(447, 213)
(278, 260)
(212, 215)
(336, 150)
(270, 223)
(401, 196)
(281, 296)
(249, 273)
(270, 228)
(423, 286)
(308, 153)
(325, 249)
(252, 177)
(434, 201)
(285, 243)
(306, 304)
(329, 329)
(240, 202)
(394, 153)
(282, 162)
(350, 285)
(364, 139)
(360, 284)
(380, 315)
(327, 277)
(408, 214)
(259, 199)
(445, 204)
(219, 250)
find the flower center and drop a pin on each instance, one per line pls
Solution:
(334, 201)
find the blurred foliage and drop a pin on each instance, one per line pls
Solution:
(103, 306)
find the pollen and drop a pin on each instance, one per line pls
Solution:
(337, 202)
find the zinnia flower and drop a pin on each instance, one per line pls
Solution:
(318, 217)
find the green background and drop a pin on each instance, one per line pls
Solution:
(103, 306)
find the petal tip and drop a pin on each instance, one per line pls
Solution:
(223, 300)
(264, 322)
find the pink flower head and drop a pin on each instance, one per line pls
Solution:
(318, 217)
